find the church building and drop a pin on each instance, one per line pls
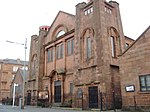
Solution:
(77, 59)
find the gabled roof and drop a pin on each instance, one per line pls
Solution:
(129, 38)
(24, 75)
(57, 17)
(136, 40)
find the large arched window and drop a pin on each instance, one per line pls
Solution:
(34, 64)
(88, 47)
(60, 33)
(113, 50)
(86, 43)
(114, 42)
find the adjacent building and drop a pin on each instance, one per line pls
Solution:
(8, 69)
(135, 74)
(19, 78)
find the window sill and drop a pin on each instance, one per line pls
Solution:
(146, 92)
(49, 62)
(88, 59)
(70, 54)
(58, 59)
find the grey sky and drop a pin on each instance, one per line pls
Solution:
(21, 18)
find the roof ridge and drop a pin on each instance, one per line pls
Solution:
(136, 40)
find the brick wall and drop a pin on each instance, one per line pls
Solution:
(135, 62)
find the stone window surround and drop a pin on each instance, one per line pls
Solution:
(88, 32)
(112, 32)
(88, 11)
(70, 46)
(59, 51)
(50, 54)
(145, 80)
(108, 10)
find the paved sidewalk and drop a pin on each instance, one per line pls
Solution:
(6, 108)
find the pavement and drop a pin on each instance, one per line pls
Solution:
(6, 108)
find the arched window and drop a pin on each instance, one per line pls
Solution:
(114, 42)
(60, 33)
(88, 47)
(87, 43)
(113, 53)
(33, 65)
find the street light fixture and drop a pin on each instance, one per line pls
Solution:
(23, 83)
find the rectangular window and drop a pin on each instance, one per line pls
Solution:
(145, 83)
(46, 87)
(91, 9)
(89, 47)
(71, 88)
(59, 51)
(50, 55)
(15, 68)
(112, 46)
(34, 67)
(88, 11)
(127, 45)
(85, 12)
(108, 10)
(70, 47)
(3, 85)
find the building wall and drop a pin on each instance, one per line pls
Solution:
(32, 81)
(18, 89)
(7, 74)
(36, 66)
(99, 20)
(100, 24)
(128, 42)
(59, 69)
(63, 21)
(135, 62)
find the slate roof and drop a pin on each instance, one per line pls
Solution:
(24, 75)
(13, 61)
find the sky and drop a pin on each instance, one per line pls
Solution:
(20, 19)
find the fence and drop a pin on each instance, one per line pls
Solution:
(105, 101)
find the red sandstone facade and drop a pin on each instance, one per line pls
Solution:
(36, 67)
(135, 72)
(76, 60)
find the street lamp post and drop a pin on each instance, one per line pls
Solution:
(23, 83)
(14, 89)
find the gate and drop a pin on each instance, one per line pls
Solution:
(29, 99)
(93, 97)
(57, 92)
